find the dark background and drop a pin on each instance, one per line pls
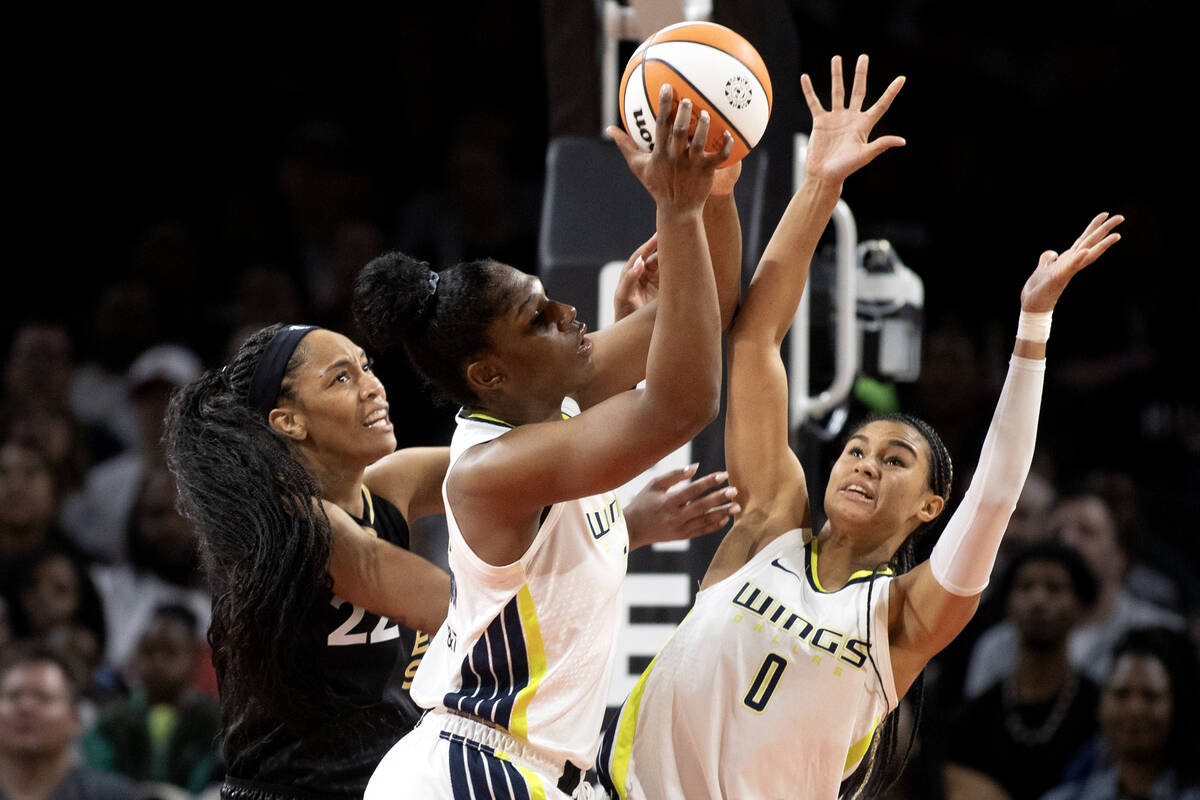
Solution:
(164, 149)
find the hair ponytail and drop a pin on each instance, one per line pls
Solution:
(264, 539)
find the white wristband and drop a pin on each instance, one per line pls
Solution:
(1034, 327)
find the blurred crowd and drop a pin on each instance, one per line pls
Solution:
(1075, 679)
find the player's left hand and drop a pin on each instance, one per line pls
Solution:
(1055, 270)
(638, 282)
(673, 507)
(840, 143)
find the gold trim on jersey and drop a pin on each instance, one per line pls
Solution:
(859, 748)
(622, 751)
(481, 417)
(369, 508)
(532, 782)
(814, 547)
(536, 653)
(485, 418)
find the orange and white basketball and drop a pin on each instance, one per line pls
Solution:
(711, 65)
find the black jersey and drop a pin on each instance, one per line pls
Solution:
(368, 662)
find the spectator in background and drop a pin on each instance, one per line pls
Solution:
(39, 720)
(166, 731)
(39, 366)
(1158, 572)
(1147, 721)
(162, 567)
(28, 504)
(1026, 525)
(1042, 715)
(50, 587)
(124, 323)
(58, 434)
(1028, 519)
(53, 601)
(1081, 521)
(98, 519)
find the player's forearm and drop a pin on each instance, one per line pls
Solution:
(723, 231)
(964, 555)
(391, 582)
(782, 272)
(619, 355)
(683, 371)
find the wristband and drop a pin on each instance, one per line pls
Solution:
(1034, 327)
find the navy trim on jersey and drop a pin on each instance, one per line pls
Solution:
(495, 671)
(777, 565)
(608, 738)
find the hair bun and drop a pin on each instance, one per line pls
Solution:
(390, 295)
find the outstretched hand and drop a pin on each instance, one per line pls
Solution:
(638, 281)
(1054, 270)
(670, 507)
(840, 144)
(677, 172)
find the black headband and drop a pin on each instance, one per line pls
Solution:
(268, 372)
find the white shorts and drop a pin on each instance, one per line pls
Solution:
(451, 756)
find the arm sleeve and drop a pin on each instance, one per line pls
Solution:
(964, 555)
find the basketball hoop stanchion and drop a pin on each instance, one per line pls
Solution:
(846, 349)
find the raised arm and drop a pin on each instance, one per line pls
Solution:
(723, 228)
(509, 480)
(620, 351)
(761, 464)
(931, 604)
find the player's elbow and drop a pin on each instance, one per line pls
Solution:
(701, 405)
(674, 423)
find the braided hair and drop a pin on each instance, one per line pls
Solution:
(264, 538)
(874, 777)
(441, 318)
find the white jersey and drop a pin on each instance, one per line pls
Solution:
(528, 647)
(766, 690)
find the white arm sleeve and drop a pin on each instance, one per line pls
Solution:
(964, 555)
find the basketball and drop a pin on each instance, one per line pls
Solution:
(709, 64)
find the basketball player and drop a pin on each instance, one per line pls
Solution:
(517, 676)
(316, 624)
(308, 698)
(800, 643)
